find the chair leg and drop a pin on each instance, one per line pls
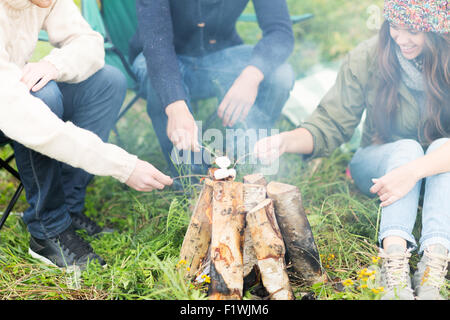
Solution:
(11, 205)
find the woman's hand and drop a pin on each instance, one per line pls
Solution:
(145, 177)
(36, 75)
(395, 184)
(270, 148)
(298, 141)
(240, 97)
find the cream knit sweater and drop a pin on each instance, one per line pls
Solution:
(78, 54)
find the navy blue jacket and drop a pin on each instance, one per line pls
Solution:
(199, 27)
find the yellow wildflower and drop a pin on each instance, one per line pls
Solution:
(181, 262)
(347, 282)
(375, 259)
(206, 278)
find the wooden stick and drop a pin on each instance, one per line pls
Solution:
(269, 249)
(226, 271)
(198, 235)
(296, 231)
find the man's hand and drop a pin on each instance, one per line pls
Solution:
(181, 127)
(395, 184)
(37, 75)
(145, 177)
(240, 97)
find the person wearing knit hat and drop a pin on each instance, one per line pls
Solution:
(58, 112)
(401, 80)
(419, 15)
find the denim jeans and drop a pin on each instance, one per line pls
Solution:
(211, 76)
(398, 219)
(54, 189)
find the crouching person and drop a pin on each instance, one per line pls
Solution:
(401, 78)
(58, 112)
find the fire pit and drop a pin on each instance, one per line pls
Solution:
(240, 227)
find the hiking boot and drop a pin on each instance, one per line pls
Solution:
(65, 250)
(81, 222)
(394, 274)
(431, 271)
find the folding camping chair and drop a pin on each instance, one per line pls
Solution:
(5, 164)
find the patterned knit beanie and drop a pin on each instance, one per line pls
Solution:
(420, 15)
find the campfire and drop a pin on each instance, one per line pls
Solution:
(243, 228)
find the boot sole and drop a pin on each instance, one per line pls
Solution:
(41, 258)
(50, 263)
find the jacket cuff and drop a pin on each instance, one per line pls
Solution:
(126, 169)
(319, 149)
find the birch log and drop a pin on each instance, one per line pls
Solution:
(198, 235)
(226, 271)
(254, 193)
(256, 178)
(296, 231)
(270, 250)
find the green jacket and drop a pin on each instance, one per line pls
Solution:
(340, 111)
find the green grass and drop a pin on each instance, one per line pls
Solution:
(143, 253)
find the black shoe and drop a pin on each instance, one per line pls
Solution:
(64, 250)
(81, 222)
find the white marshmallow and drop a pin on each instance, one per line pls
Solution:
(223, 162)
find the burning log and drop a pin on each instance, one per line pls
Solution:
(226, 272)
(269, 249)
(296, 231)
(198, 235)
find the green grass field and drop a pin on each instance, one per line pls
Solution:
(143, 254)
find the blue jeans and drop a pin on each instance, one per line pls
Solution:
(398, 219)
(54, 189)
(211, 76)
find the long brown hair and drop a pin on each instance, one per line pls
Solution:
(436, 71)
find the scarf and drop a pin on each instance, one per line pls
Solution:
(411, 75)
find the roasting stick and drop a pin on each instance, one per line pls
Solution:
(242, 158)
(197, 175)
(190, 176)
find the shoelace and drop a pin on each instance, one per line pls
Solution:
(436, 269)
(73, 244)
(86, 223)
(396, 268)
